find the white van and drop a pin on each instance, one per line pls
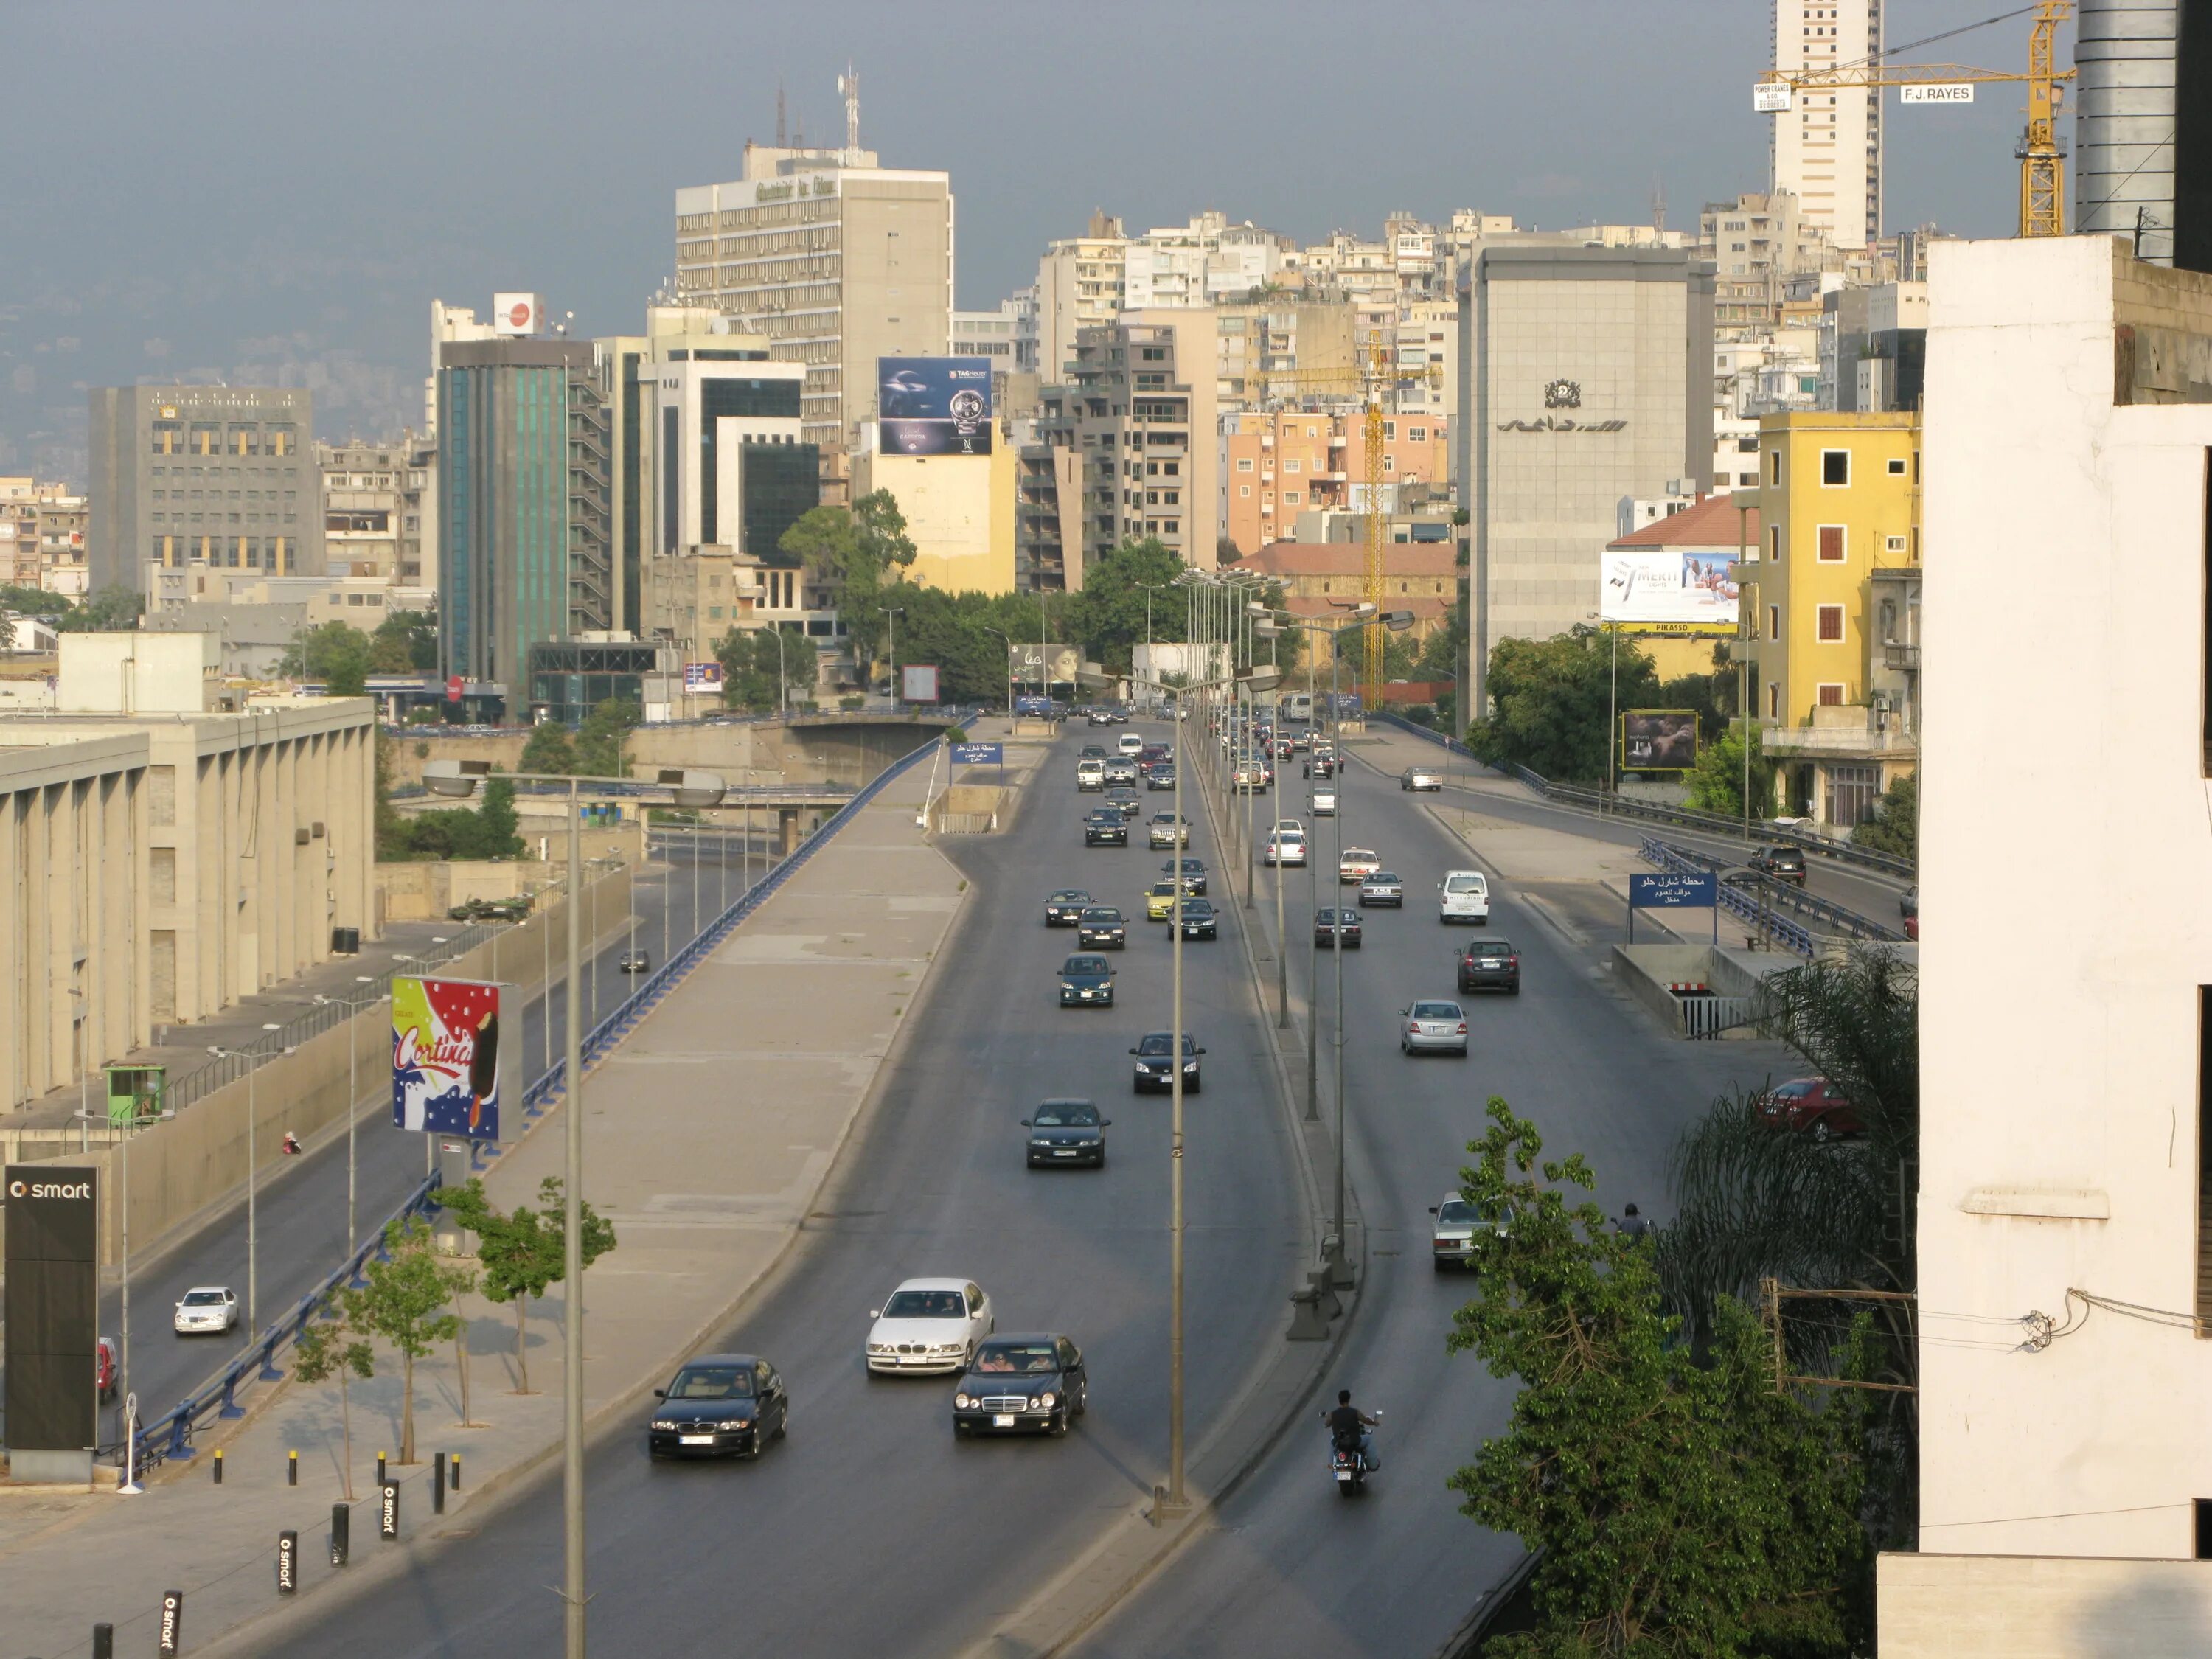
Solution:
(1465, 896)
(1090, 774)
(1131, 743)
(1324, 802)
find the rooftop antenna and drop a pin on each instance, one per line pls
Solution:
(848, 89)
(779, 113)
(1658, 204)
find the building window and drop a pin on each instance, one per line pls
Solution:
(1829, 624)
(1829, 695)
(1418, 434)
(1835, 468)
(1244, 465)
(1774, 466)
(1897, 466)
(1774, 544)
(1832, 544)
(1773, 621)
(1774, 700)
(1244, 490)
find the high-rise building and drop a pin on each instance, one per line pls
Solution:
(1082, 282)
(730, 469)
(526, 539)
(836, 260)
(1274, 464)
(1826, 148)
(221, 477)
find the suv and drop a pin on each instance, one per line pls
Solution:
(1780, 863)
(1490, 965)
(1106, 827)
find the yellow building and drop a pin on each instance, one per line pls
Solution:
(1832, 607)
(959, 513)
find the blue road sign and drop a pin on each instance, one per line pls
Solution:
(1672, 890)
(989, 754)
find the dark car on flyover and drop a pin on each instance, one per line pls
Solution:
(1490, 965)
(1022, 1385)
(1102, 927)
(1154, 1069)
(1334, 924)
(719, 1405)
(1066, 907)
(1193, 873)
(1086, 982)
(1780, 863)
(1066, 1132)
(1104, 826)
(1160, 776)
(1199, 920)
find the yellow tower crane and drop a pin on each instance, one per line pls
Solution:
(1373, 378)
(2042, 163)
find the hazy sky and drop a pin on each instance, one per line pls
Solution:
(257, 191)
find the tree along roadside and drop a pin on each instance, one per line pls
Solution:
(522, 1253)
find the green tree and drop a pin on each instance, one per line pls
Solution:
(407, 1301)
(486, 831)
(32, 602)
(112, 610)
(548, 752)
(329, 1347)
(521, 1252)
(335, 653)
(879, 530)
(1716, 783)
(406, 642)
(758, 672)
(1895, 829)
(1551, 698)
(599, 738)
(1109, 615)
(1680, 1507)
(855, 553)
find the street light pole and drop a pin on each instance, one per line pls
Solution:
(891, 614)
(353, 1007)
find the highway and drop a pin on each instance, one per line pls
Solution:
(301, 1220)
(1290, 1568)
(869, 1528)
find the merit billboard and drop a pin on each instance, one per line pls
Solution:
(445, 1057)
(934, 405)
(1674, 586)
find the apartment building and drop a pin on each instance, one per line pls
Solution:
(1832, 599)
(1826, 148)
(1005, 338)
(1082, 282)
(42, 536)
(836, 260)
(1274, 464)
(1666, 583)
(1287, 347)
(223, 476)
(374, 512)
(2065, 1480)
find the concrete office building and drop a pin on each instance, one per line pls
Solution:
(730, 469)
(525, 541)
(836, 260)
(224, 477)
(376, 511)
(2065, 1269)
(160, 859)
(1585, 377)
(1825, 150)
(1082, 282)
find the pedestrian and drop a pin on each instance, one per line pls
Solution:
(1634, 1225)
(291, 1144)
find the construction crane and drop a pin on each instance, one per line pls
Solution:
(1372, 379)
(2042, 162)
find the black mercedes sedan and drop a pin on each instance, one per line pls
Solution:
(1102, 928)
(1066, 1132)
(1199, 920)
(1086, 983)
(719, 1404)
(1155, 1071)
(1022, 1384)
(1066, 907)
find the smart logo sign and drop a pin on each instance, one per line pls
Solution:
(53, 1306)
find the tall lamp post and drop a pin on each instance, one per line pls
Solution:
(1002, 633)
(891, 614)
(253, 1057)
(353, 1006)
(698, 791)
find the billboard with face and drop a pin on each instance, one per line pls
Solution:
(1675, 586)
(934, 405)
(1658, 740)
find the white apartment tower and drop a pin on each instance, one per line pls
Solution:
(1825, 150)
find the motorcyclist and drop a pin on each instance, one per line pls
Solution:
(1348, 1423)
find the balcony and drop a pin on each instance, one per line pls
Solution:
(1903, 658)
(1851, 732)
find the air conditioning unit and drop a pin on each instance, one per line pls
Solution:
(299, 836)
(318, 829)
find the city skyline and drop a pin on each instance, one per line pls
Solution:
(310, 259)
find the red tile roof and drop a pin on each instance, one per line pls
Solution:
(1285, 559)
(1711, 523)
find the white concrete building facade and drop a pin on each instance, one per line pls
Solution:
(1825, 150)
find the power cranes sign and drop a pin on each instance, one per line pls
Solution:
(1770, 97)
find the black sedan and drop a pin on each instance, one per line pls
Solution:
(1126, 800)
(719, 1404)
(1066, 1132)
(1193, 872)
(1104, 826)
(634, 961)
(1066, 907)
(1333, 925)
(1102, 928)
(1160, 776)
(1022, 1384)
(1086, 983)
(1155, 1071)
(1199, 920)
(1490, 965)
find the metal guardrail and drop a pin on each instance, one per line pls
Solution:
(170, 1435)
(1708, 1017)
(1781, 894)
(1770, 922)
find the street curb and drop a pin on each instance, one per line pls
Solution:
(1136, 1548)
(484, 1499)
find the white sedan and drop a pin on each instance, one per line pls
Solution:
(207, 1310)
(1357, 864)
(929, 1325)
(1287, 847)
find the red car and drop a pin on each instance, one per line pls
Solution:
(1812, 1106)
(106, 1367)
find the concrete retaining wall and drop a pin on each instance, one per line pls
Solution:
(1644, 971)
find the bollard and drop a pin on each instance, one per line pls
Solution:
(1339, 1266)
(456, 1470)
(1325, 1298)
(341, 1533)
(171, 1627)
(291, 1468)
(217, 1466)
(103, 1642)
(1307, 1324)
(388, 1516)
(288, 1563)
(438, 1483)
(379, 1469)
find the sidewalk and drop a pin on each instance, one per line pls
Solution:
(705, 1193)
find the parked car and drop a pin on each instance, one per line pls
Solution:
(1336, 924)
(1812, 1106)
(929, 1325)
(1459, 1222)
(1199, 920)
(1382, 888)
(1356, 864)
(1420, 777)
(1155, 1071)
(1066, 907)
(1019, 1384)
(1102, 927)
(1066, 1132)
(1086, 982)
(717, 1404)
(1489, 965)
(1432, 1027)
(1780, 863)
(1463, 896)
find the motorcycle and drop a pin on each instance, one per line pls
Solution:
(1346, 1463)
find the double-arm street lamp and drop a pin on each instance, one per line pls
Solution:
(353, 1006)
(253, 1058)
(1002, 633)
(891, 614)
(698, 791)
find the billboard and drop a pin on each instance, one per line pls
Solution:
(1042, 664)
(1673, 587)
(517, 313)
(934, 405)
(1770, 97)
(1658, 739)
(445, 1056)
(52, 1266)
(702, 676)
(918, 684)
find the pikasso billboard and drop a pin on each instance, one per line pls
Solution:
(1691, 591)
